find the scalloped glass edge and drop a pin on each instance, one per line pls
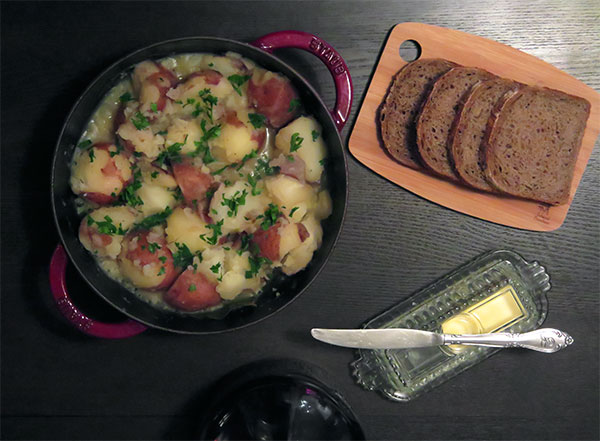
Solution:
(376, 370)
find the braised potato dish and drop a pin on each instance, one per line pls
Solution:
(198, 176)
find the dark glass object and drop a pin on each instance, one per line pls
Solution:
(290, 407)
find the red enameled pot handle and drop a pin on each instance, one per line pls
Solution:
(87, 325)
(329, 56)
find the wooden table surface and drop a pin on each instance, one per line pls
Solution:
(58, 384)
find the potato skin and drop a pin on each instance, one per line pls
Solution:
(98, 176)
(105, 245)
(145, 266)
(192, 291)
(312, 150)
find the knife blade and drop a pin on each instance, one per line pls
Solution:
(378, 338)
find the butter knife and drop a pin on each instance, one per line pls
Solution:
(543, 340)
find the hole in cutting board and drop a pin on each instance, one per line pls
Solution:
(410, 50)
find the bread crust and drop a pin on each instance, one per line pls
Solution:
(470, 127)
(535, 163)
(402, 103)
(437, 116)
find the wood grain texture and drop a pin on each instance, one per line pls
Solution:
(499, 59)
(57, 384)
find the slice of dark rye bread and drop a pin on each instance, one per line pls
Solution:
(469, 129)
(532, 143)
(397, 114)
(435, 120)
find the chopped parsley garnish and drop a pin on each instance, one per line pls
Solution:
(178, 195)
(154, 107)
(153, 246)
(245, 243)
(172, 153)
(162, 271)
(211, 64)
(255, 264)
(129, 194)
(155, 219)
(140, 121)
(257, 120)
(323, 161)
(315, 135)
(106, 226)
(89, 146)
(189, 102)
(253, 181)
(209, 194)
(227, 183)
(294, 104)
(83, 145)
(290, 158)
(295, 142)
(183, 257)
(205, 104)
(118, 150)
(202, 147)
(264, 169)
(192, 287)
(237, 81)
(137, 154)
(215, 268)
(216, 232)
(234, 202)
(247, 157)
(163, 259)
(270, 217)
(293, 210)
(219, 171)
(154, 175)
(162, 132)
(126, 97)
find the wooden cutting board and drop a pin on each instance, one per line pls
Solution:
(502, 60)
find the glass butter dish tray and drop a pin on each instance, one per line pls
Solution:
(497, 291)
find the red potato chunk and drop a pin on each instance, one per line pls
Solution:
(258, 135)
(192, 291)
(101, 231)
(211, 77)
(154, 81)
(100, 177)
(91, 238)
(276, 242)
(271, 95)
(193, 183)
(146, 261)
(268, 242)
(191, 90)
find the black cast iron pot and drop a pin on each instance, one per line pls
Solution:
(278, 293)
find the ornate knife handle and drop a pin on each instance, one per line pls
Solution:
(543, 340)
